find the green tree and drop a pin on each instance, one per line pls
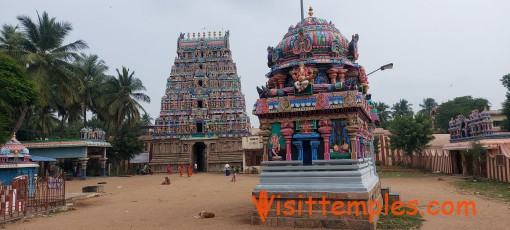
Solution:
(428, 105)
(40, 48)
(402, 108)
(459, 105)
(49, 60)
(11, 40)
(478, 154)
(383, 113)
(122, 95)
(126, 144)
(17, 93)
(410, 134)
(92, 73)
(506, 104)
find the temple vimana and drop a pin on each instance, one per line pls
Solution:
(203, 112)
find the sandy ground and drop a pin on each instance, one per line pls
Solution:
(140, 202)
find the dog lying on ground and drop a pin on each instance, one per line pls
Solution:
(204, 214)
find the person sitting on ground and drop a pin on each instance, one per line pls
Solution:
(166, 181)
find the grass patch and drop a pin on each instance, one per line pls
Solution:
(487, 188)
(402, 174)
(404, 221)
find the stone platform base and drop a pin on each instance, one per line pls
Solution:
(326, 194)
(319, 209)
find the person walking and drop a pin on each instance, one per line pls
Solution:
(227, 169)
(188, 167)
(169, 169)
(233, 174)
(181, 170)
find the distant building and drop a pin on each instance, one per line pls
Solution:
(446, 153)
(253, 151)
(77, 157)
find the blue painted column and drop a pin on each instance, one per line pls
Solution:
(315, 146)
(83, 162)
(299, 145)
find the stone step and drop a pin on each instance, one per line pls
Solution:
(316, 167)
(393, 197)
(385, 191)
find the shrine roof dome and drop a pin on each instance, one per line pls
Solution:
(13, 147)
(312, 40)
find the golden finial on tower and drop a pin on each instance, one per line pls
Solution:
(310, 11)
(209, 34)
(214, 33)
(188, 35)
(193, 34)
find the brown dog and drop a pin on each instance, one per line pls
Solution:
(204, 214)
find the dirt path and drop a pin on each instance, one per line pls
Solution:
(489, 214)
(140, 202)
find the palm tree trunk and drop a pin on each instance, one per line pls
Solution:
(62, 127)
(84, 114)
(21, 118)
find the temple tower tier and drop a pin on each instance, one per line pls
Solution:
(203, 112)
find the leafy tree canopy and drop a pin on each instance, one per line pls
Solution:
(402, 108)
(506, 104)
(459, 105)
(16, 90)
(126, 144)
(411, 134)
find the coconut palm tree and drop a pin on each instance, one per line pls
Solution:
(382, 112)
(40, 48)
(91, 71)
(402, 108)
(122, 96)
(11, 40)
(429, 104)
(48, 59)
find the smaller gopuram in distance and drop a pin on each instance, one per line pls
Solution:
(203, 112)
(316, 122)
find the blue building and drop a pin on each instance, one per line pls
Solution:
(15, 161)
(76, 157)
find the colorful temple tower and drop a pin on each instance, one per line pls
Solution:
(203, 112)
(317, 120)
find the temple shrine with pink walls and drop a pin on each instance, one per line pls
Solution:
(316, 121)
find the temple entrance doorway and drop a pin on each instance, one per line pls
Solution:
(307, 153)
(199, 156)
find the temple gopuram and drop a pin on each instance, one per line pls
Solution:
(203, 112)
(317, 121)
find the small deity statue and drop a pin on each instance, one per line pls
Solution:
(275, 149)
(302, 78)
(306, 127)
(353, 48)
(363, 79)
